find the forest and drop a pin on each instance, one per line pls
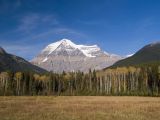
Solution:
(141, 80)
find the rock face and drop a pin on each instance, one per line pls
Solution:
(14, 63)
(65, 55)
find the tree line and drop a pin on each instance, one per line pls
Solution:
(143, 80)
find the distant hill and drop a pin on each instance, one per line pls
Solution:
(9, 62)
(148, 54)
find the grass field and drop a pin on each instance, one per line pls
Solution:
(79, 108)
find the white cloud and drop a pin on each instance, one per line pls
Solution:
(34, 21)
(59, 31)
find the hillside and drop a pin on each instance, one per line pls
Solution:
(148, 54)
(9, 62)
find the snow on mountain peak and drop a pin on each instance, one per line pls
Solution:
(86, 50)
(129, 55)
(65, 55)
(53, 46)
(67, 42)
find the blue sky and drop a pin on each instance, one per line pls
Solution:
(117, 26)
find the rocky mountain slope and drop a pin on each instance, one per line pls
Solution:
(65, 55)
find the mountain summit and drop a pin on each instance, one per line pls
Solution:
(64, 55)
(72, 49)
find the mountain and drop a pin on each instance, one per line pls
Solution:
(149, 53)
(64, 55)
(14, 63)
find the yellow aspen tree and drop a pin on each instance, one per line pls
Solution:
(18, 78)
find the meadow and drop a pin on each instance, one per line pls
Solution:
(79, 108)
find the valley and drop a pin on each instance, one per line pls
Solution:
(79, 60)
(19, 77)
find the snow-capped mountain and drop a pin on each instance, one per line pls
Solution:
(70, 47)
(64, 55)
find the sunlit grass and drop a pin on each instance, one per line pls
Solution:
(79, 108)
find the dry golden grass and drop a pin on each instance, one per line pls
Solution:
(79, 108)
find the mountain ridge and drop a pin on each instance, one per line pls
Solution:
(147, 54)
(9, 62)
(86, 50)
(64, 55)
